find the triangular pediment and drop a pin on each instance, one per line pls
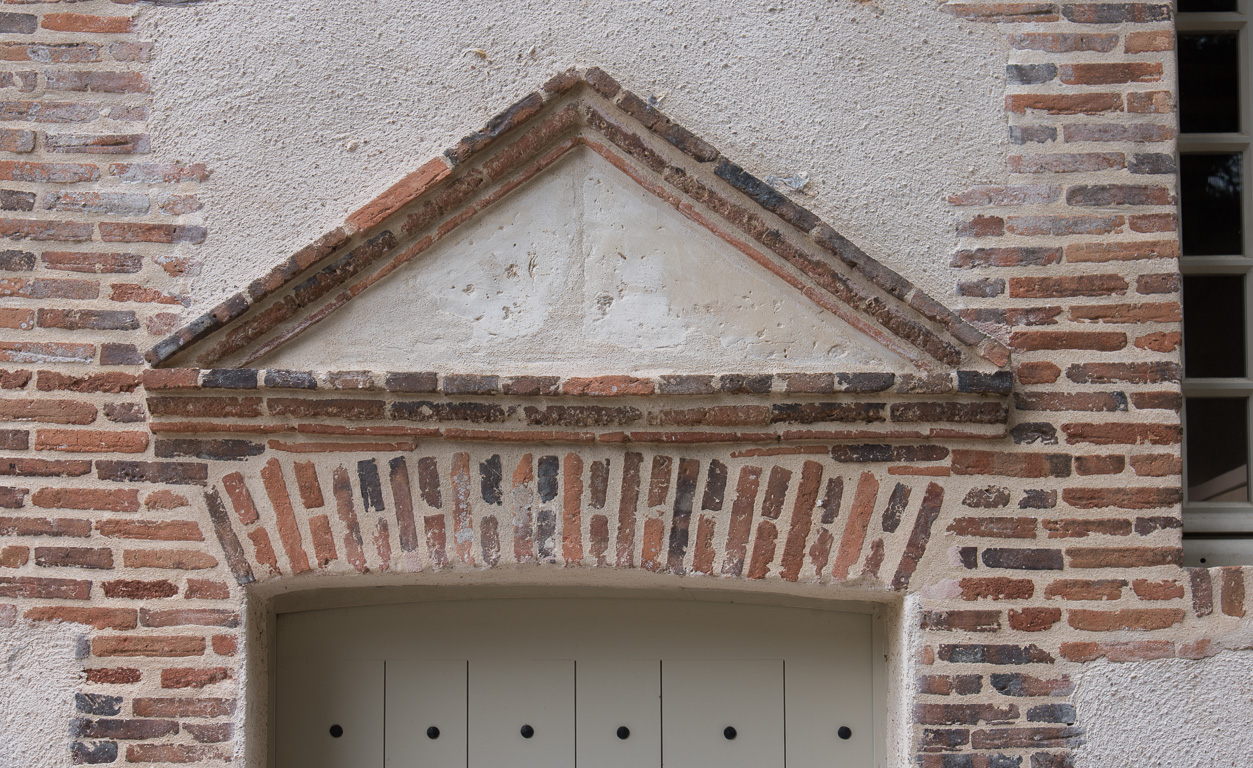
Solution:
(585, 232)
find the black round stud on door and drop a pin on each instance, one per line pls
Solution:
(432, 732)
(845, 732)
(336, 731)
(623, 732)
(729, 733)
(526, 731)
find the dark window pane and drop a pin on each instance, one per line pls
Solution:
(1213, 326)
(1217, 448)
(1209, 82)
(1210, 193)
(1207, 6)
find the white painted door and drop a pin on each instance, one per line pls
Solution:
(619, 713)
(330, 713)
(425, 714)
(727, 713)
(521, 713)
(574, 684)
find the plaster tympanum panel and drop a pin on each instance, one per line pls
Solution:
(583, 272)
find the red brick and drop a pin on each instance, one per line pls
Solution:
(1060, 287)
(1129, 373)
(997, 588)
(44, 589)
(1141, 650)
(1064, 103)
(17, 319)
(114, 675)
(207, 589)
(90, 441)
(1078, 529)
(179, 559)
(174, 617)
(81, 22)
(14, 556)
(50, 411)
(1062, 162)
(1031, 341)
(971, 462)
(1034, 619)
(1110, 464)
(113, 382)
(1147, 42)
(1061, 226)
(190, 677)
(133, 589)
(74, 557)
(1144, 619)
(175, 753)
(1122, 498)
(1108, 74)
(1070, 401)
(225, 645)
(1151, 103)
(148, 645)
(1233, 592)
(1168, 589)
(1085, 589)
(100, 618)
(1134, 251)
(981, 226)
(153, 530)
(1160, 342)
(1038, 373)
(607, 386)
(1124, 557)
(42, 526)
(1057, 42)
(1157, 465)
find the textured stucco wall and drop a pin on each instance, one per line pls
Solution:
(307, 113)
(560, 274)
(1172, 713)
(38, 678)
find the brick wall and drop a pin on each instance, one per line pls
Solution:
(1040, 527)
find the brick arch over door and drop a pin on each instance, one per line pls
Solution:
(791, 518)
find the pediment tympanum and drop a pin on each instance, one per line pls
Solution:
(582, 232)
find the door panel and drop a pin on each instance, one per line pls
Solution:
(619, 694)
(703, 698)
(318, 700)
(421, 696)
(507, 696)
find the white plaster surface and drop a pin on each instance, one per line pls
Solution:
(307, 110)
(1171, 713)
(585, 270)
(38, 678)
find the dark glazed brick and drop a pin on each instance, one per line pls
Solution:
(982, 289)
(994, 654)
(13, 200)
(1052, 713)
(580, 416)
(411, 382)
(549, 466)
(776, 492)
(1151, 163)
(93, 754)
(98, 704)
(371, 486)
(766, 196)
(545, 530)
(974, 382)
(456, 384)
(1024, 559)
(1031, 432)
(745, 384)
(831, 500)
(1032, 134)
(489, 480)
(122, 729)
(715, 486)
(18, 23)
(428, 482)
(872, 452)
(864, 382)
(1038, 499)
(964, 413)
(476, 413)
(283, 379)
(517, 113)
(1115, 13)
(810, 413)
(16, 261)
(228, 449)
(229, 378)
(120, 355)
(896, 507)
(170, 472)
(684, 496)
(685, 385)
(1030, 74)
(599, 483)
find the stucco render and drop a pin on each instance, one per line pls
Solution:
(556, 276)
(304, 114)
(39, 676)
(1187, 714)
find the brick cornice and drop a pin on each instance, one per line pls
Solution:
(581, 109)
